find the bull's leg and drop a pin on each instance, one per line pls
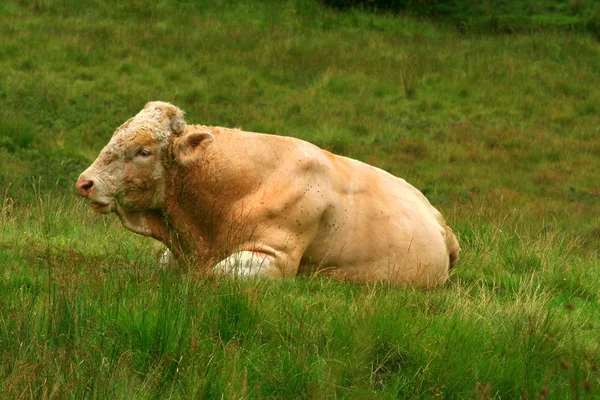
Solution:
(245, 264)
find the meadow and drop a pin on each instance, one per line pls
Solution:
(500, 131)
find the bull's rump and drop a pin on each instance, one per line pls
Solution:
(386, 229)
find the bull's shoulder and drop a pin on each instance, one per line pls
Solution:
(284, 153)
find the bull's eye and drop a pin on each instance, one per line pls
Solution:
(143, 153)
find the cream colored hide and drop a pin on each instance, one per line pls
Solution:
(249, 204)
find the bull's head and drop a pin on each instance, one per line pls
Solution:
(130, 172)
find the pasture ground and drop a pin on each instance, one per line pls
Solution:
(501, 132)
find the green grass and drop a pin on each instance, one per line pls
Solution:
(500, 132)
(492, 16)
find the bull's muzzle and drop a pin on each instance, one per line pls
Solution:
(92, 190)
(84, 187)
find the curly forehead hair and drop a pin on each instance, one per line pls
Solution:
(160, 118)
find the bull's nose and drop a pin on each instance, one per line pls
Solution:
(84, 187)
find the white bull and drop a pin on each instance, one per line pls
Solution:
(250, 204)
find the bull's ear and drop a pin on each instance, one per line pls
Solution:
(191, 146)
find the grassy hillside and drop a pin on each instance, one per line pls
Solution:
(501, 133)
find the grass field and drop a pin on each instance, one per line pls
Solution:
(501, 132)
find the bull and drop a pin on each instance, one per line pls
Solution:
(248, 204)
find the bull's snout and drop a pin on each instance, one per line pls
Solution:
(94, 190)
(84, 187)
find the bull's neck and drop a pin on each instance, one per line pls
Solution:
(147, 223)
(198, 206)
